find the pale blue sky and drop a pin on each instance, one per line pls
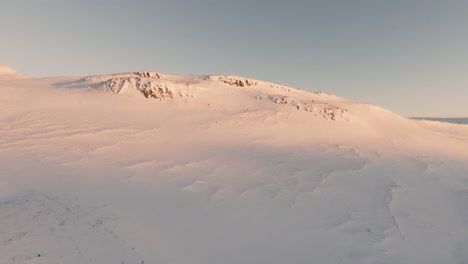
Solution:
(410, 56)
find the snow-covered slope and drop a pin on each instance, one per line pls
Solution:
(144, 166)
(8, 73)
(160, 86)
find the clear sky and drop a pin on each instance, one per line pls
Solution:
(410, 56)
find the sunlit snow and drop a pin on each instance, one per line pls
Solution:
(156, 168)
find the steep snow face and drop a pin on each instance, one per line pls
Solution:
(99, 169)
(8, 73)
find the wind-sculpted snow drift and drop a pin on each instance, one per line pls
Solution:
(157, 168)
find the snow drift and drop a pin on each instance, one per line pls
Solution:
(8, 73)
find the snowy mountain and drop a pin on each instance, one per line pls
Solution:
(145, 166)
(171, 87)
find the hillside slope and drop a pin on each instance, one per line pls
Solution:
(7, 73)
(134, 167)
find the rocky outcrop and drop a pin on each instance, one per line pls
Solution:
(322, 109)
(148, 74)
(150, 87)
(157, 92)
(236, 81)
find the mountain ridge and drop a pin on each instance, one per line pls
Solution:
(160, 86)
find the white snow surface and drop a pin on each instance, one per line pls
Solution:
(156, 168)
(8, 73)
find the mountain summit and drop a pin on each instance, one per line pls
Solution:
(213, 89)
